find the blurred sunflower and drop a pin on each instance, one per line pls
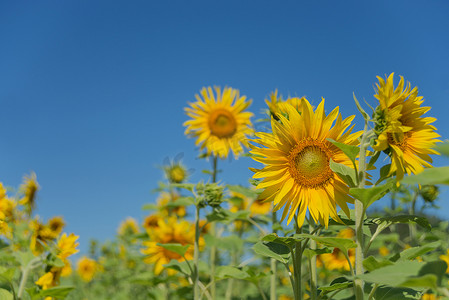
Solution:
(87, 268)
(41, 234)
(277, 106)
(7, 205)
(175, 171)
(128, 227)
(402, 132)
(219, 124)
(169, 231)
(151, 221)
(337, 260)
(56, 225)
(428, 296)
(296, 158)
(67, 245)
(29, 189)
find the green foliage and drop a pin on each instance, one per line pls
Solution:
(277, 251)
(438, 175)
(369, 195)
(350, 151)
(347, 174)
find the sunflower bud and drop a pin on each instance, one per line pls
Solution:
(429, 193)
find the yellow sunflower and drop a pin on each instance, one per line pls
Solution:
(87, 268)
(296, 158)
(128, 227)
(169, 231)
(401, 130)
(56, 225)
(219, 123)
(29, 189)
(276, 105)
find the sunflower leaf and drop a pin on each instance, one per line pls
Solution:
(347, 174)
(310, 253)
(182, 266)
(350, 151)
(369, 195)
(177, 248)
(387, 221)
(286, 241)
(340, 243)
(443, 148)
(429, 176)
(383, 173)
(412, 274)
(5, 294)
(59, 292)
(279, 252)
(371, 263)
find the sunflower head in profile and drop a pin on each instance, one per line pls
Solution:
(219, 122)
(277, 105)
(29, 190)
(297, 155)
(402, 131)
(56, 225)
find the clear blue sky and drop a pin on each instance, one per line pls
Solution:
(92, 92)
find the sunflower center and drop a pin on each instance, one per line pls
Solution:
(309, 163)
(222, 123)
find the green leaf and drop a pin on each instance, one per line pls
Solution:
(370, 263)
(373, 160)
(340, 243)
(243, 190)
(176, 248)
(59, 292)
(182, 267)
(369, 195)
(223, 272)
(310, 253)
(350, 151)
(55, 261)
(406, 219)
(411, 274)
(347, 174)
(273, 250)
(414, 252)
(443, 148)
(383, 173)
(286, 241)
(429, 176)
(5, 295)
(219, 215)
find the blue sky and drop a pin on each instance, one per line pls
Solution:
(92, 92)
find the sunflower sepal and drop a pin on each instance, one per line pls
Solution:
(359, 107)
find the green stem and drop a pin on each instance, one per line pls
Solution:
(297, 266)
(273, 263)
(261, 291)
(360, 216)
(213, 249)
(312, 264)
(373, 290)
(196, 252)
(31, 265)
(412, 226)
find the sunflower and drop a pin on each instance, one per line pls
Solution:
(175, 171)
(87, 268)
(401, 130)
(56, 224)
(29, 189)
(151, 221)
(276, 105)
(169, 231)
(296, 157)
(219, 123)
(128, 227)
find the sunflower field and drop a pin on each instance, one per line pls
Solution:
(303, 227)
